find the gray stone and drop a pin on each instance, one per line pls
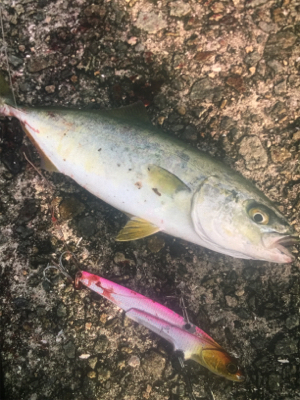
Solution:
(274, 381)
(160, 100)
(294, 81)
(70, 208)
(27, 212)
(204, 89)
(103, 374)
(250, 274)
(243, 313)
(190, 133)
(231, 301)
(101, 344)
(24, 232)
(255, 3)
(258, 342)
(87, 226)
(278, 110)
(252, 58)
(139, 47)
(61, 311)
(276, 66)
(150, 22)
(15, 61)
(92, 362)
(267, 27)
(177, 128)
(25, 87)
(154, 364)
(134, 361)
(179, 60)
(19, 9)
(95, 10)
(253, 153)
(39, 63)
(261, 67)
(179, 8)
(227, 123)
(279, 154)
(70, 349)
(286, 347)
(280, 88)
(292, 321)
(280, 44)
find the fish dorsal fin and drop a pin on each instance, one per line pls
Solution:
(164, 182)
(133, 112)
(136, 228)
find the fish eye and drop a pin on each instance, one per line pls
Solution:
(259, 216)
(232, 368)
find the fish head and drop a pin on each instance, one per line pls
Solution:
(218, 361)
(233, 217)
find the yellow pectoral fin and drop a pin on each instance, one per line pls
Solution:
(136, 228)
(164, 181)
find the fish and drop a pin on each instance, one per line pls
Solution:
(185, 337)
(161, 183)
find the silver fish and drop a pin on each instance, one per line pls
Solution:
(162, 183)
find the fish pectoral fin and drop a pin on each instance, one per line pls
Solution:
(136, 228)
(164, 181)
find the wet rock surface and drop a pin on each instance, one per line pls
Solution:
(224, 77)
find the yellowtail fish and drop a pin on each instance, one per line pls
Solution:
(187, 338)
(162, 183)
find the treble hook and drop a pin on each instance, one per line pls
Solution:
(60, 267)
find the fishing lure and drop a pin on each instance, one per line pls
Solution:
(187, 338)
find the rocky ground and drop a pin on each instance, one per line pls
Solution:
(221, 75)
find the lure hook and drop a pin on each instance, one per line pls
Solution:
(60, 267)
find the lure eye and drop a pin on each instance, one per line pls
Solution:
(232, 368)
(259, 216)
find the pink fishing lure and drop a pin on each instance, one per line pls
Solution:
(185, 337)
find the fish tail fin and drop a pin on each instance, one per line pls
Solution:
(6, 95)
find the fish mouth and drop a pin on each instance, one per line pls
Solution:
(289, 240)
(282, 244)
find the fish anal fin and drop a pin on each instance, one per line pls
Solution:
(136, 228)
(164, 181)
(47, 164)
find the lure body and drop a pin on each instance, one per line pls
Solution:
(189, 339)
